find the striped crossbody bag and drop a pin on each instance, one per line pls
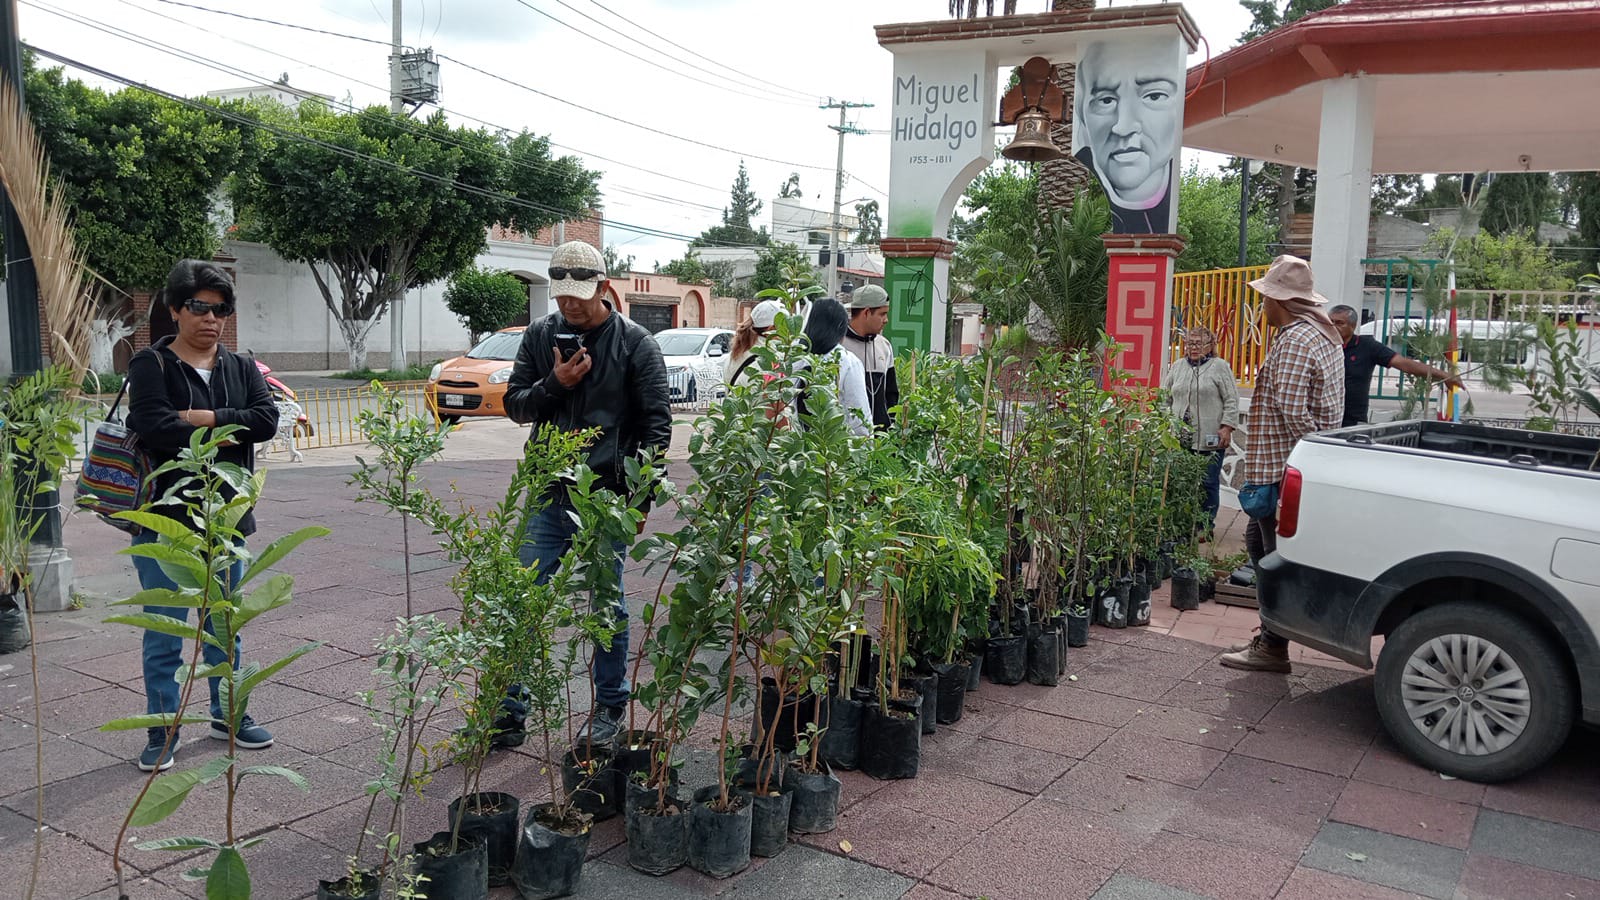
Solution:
(116, 471)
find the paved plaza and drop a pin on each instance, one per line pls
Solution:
(1151, 773)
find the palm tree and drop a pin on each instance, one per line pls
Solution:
(1060, 180)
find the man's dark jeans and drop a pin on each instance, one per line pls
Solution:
(1261, 538)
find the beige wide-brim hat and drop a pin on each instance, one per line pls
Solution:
(1289, 278)
(576, 255)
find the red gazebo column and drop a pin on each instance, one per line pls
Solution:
(1139, 303)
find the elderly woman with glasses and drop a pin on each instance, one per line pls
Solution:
(184, 383)
(1205, 397)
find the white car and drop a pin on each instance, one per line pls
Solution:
(1476, 551)
(695, 359)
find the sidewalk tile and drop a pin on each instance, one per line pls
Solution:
(1387, 766)
(324, 728)
(1489, 878)
(801, 873)
(1344, 711)
(1126, 887)
(1260, 805)
(1209, 868)
(954, 798)
(1157, 757)
(1053, 734)
(1188, 726)
(68, 867)
(1311, 884)
(1563, 790)
(1268, 684)
(64, 758)
(1135, 685)
(925, 891)
(1029, 862)
(1088, 706)
(1387, 860)
(1416, 816)
(606, 881)
(1314, 749)
(900, 840)
(999, 763)
(1219, 701)
(1132, 803)
(1538, 843)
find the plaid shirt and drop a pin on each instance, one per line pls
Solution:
(1299, 390)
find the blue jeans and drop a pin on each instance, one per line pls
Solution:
(549, 536)
(163, 653)
(1212, 483)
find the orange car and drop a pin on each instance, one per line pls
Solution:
(475, 384)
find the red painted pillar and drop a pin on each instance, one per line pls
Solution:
(1139, 304)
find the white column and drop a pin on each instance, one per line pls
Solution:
(1344, 188)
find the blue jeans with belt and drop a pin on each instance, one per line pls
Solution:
(1212, 483)
(163, 653)
(548, 538)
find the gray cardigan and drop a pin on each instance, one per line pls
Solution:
(1207, 394)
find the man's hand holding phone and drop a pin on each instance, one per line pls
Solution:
(572, 363)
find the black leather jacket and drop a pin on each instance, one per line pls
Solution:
(159, 389)
(624, 394)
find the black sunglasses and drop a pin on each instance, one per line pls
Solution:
(200, 308)
(561, 273)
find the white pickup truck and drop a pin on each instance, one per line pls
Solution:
(1475, 551)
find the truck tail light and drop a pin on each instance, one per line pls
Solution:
(1289, 503)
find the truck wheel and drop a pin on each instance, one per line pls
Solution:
(1474, 692)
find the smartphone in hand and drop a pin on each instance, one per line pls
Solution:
(568, 344)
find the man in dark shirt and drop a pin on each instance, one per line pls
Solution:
(1362, 354)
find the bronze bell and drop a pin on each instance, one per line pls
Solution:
(1032, 143)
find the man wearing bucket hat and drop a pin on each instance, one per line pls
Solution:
(588, 366)
(1299, 390)
(869, 314)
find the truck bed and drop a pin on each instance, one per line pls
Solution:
(1565, 453)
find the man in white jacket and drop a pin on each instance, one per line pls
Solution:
(869, 313)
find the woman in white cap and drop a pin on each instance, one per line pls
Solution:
(750, 332)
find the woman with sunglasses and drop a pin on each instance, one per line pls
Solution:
(179, 385)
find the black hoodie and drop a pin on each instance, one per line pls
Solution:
(161, 388)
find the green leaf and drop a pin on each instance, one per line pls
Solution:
(280, 548)
(184, 568)
(152, 720)
(273, 593)
(289, 775)
(180, 843)
(169, 791)
(171, 529)
(163, 597)
(165, 625)
(228, 879)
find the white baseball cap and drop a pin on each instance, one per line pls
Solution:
(576, 255)
(765, 314)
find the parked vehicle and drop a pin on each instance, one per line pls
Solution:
(1476, 552)
(475, 384)
(695, 359)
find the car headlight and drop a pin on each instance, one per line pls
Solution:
(500, 376)
(433, 374)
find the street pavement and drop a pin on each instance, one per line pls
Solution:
(1148, 773)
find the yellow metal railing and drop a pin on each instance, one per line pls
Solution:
(1223, 301)
(331, 413)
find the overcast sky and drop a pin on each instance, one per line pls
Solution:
(744, 80)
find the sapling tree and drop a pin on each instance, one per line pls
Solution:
(199, 550)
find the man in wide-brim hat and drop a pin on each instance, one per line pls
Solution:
(1299, 390)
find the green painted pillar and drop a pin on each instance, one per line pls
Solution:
(916, 271)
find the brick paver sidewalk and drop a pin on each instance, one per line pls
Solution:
(1154, 774)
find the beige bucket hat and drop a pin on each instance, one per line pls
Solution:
(1289, 278)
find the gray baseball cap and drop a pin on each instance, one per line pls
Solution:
(869, 297)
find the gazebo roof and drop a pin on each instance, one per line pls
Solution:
(1461, 85)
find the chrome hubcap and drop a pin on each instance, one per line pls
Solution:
(1466, 694)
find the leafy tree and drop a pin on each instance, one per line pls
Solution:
(485, 300)
(138, 170)
(736, 228)
(1208, 220)
(1511, 262)
(790, 189)
(616, 263)
(1517, 201)
(870, 223)
(1267, 15)
(771, 263)
(1584, 191)
(396, 204)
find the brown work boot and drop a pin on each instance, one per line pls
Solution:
(1258, 656)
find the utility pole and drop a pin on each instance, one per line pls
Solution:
(397, 106)
(843, 128)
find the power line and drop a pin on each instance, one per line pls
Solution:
(224, 12)
(251, 76)
(658, 36)
(213, 109)
(799, 99)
